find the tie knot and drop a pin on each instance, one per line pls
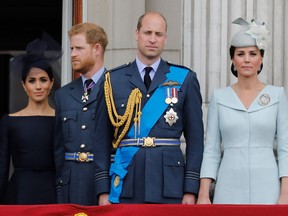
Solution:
(88, 82)
(147, 70)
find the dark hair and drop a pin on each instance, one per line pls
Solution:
(39, 54)
(42, 65)
(232, 53)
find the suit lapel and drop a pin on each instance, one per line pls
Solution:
(135, 78)
(77, 90)
(160, 76)
(94, 92)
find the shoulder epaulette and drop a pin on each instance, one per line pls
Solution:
(177, 65)
(119, 67)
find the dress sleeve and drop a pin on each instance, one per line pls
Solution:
(212, 146)
(282, 133)
(4, 156)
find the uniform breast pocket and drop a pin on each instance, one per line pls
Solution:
(69, 125)
(171, 119)
(121, 104)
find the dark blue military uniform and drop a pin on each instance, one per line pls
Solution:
(82, 157)
(161, 174)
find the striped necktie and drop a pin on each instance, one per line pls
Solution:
(88, 85)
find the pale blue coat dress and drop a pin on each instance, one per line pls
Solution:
(248, 172)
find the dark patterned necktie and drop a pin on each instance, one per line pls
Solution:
(88, 85)
(147, 78)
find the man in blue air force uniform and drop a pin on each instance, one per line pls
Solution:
(82, 158)
(162, 105)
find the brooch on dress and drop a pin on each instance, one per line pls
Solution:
(264, 99)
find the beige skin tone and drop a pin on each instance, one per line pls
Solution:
(37, 86)
(87, 59)
(247, 61)
(151, 39)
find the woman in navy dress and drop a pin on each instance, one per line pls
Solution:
(26, 137)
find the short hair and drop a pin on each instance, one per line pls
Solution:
(140, 20)
(93, 33)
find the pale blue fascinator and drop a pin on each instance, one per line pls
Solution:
(251, 34)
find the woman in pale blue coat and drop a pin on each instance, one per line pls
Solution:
(244, 121)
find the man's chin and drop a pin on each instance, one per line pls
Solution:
(152, 56)
(77, 70)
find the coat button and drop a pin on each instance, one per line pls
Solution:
(85, 109)
(148, 95)
(82, 146)
(64, 119)
(83, 127)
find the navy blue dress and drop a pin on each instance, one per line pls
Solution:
(28, 141)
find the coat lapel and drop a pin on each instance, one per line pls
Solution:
(230, 99)
(77, 90)
(267, 92)
(135, 78)
(160, 76)
(94, 93)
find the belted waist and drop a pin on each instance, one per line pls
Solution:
(79, 156)
(150, 142)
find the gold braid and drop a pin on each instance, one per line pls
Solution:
(133, 103)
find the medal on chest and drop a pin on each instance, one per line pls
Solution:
(171, 94)
(85, 97)
(171, 117)
(171, 98)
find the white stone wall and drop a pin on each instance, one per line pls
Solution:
(119, 18)
(199, 32)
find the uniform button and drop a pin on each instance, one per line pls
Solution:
(82, 146)
(122, 105)
(64, 119)
(148, 95)
(85, 109)
(83, 127)
(179, 163)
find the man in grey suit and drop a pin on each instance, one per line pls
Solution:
(82, 158)
(151, 103)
